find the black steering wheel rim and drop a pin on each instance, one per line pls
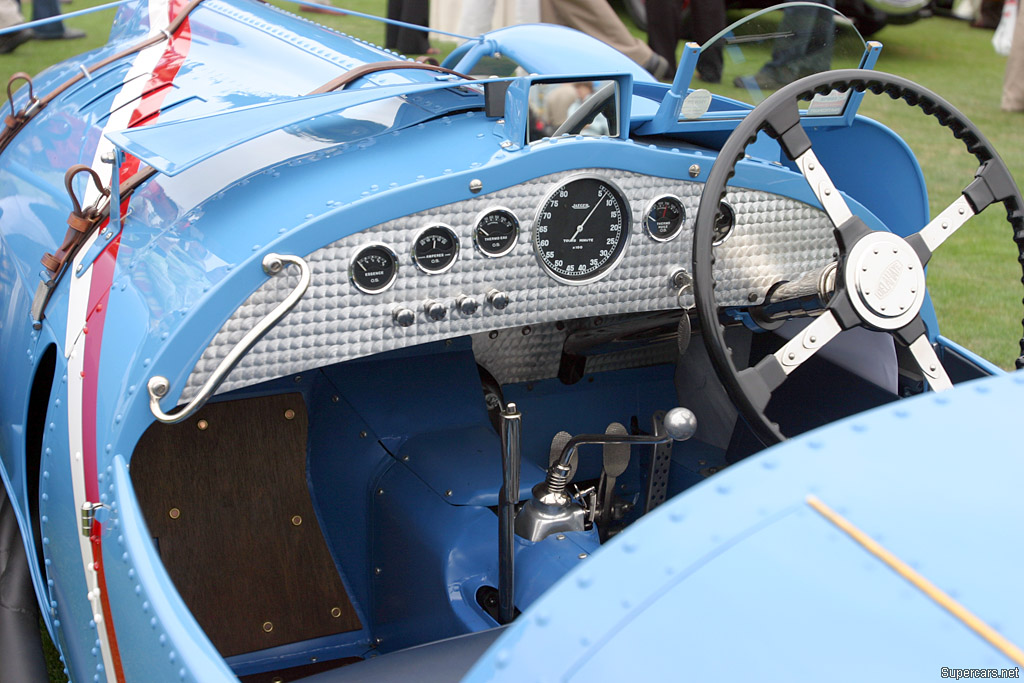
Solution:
(778, 115)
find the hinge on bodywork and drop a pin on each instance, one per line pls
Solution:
(89, 516)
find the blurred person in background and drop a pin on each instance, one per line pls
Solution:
(597, 18)
(664, 31)
(406, 40)
(10, 15)
(1013, 79)
(55, 30)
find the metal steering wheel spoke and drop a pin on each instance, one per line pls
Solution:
(924, 355)
(823, 188)
(931, 236)
(812, 338)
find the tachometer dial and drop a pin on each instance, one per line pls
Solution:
(581, 230)
(373, 269)
(664, 218)
(435, 249)
(496, 232)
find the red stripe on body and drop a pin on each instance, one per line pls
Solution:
(147, 110)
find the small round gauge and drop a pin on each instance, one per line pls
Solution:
(373, 269)
(435, 249)
(581, 230)
(496, 232)
(664, 218)
(725, 221)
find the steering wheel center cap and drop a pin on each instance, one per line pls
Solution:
(885, 279)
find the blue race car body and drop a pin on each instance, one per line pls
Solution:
(297, 334)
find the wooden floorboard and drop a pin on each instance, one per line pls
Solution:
(225, 496)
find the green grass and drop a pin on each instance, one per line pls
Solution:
(974, 276)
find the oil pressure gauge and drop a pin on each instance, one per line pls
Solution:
(435, 249)
(373, 269)
(664, 218)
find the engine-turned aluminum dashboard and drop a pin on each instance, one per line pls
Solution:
(775, 238)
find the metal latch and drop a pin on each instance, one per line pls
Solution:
(89, 516)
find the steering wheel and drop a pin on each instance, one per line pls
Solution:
(587, 111)
(880, 278)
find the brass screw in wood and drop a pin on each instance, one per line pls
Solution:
(267, 626)
(174, 513)
(335, 612)
(296, 520)
(289, 414)
(203, 425)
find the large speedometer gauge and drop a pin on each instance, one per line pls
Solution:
(581, 230)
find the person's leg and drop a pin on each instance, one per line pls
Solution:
(1013, 80)
(406, 40)
(708, 18)
(10, 15)
(596, 18)
(44, 9)
(663, 19)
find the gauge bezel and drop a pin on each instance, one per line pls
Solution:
(358, 254)
(627, 228)
(515, 239)
(732, 228)
(682, 220)
(455, 257)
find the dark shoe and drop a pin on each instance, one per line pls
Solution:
(709, 77)
(10, 41)
(658, 66)
(69, 34)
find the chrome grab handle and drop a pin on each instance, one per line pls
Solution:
(158, 386)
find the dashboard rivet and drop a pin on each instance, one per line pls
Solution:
(493, 334)
(362, 435)
(475, 185)
(752, 297)
(527, 331)
(448, 493)
(505, 144)
(289, 414)
(583, 556)
(202, 425)
(694, 170)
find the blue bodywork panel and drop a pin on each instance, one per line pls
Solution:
(701, 558)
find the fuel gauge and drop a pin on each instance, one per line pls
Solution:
(373, 269)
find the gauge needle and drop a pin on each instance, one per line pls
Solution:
(597, 203)
(360, 264)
